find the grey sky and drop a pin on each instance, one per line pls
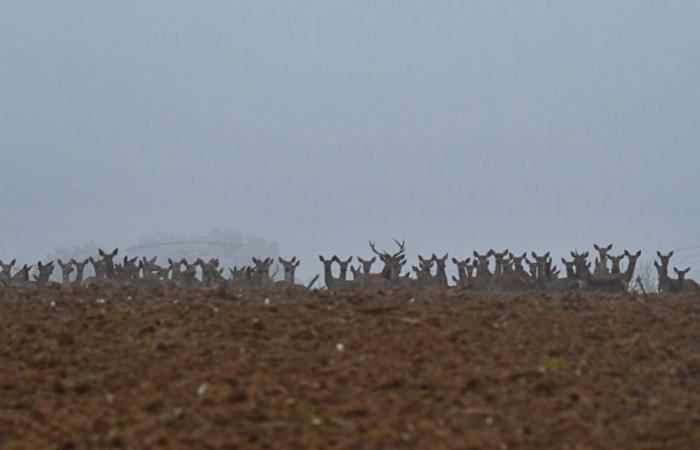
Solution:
(456, 125)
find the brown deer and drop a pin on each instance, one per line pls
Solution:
(372, 280)
(188, 274)
(440, 271)
(108, 260)
(44, 272)
(290, 268)
(98, 266)
(498, 257)
(392, 262)
(482, 281)
(569, 265)
(602, 261)
(662, 271)
(343, 276)
(631, 265)
(615, 263)
(600, 281)
(683, 284)
(261, 272)
(66, 269)
(462, 272)
(211, 274)
(21, 277)
(127, 271)
(517, 262)
(6, 269)
(79, 270)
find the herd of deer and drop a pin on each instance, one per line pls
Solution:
(508, 274)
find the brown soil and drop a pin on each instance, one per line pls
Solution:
(121, 369)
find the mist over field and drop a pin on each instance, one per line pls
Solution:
(320, 125)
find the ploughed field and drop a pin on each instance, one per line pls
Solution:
(96, 369)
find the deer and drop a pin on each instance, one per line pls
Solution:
(371, 280)
(44, 272)
(547, 279)
(108, 259)
(333, 283)
(517, 262)
(261, 273)
(290, 267)
(188, 275)
(128, 270)
(482, 280)
(175, 269)
(600, 281)
(662, 271)
(462, 273)
(391, 261)
(66, 269)
(601, 266)
(343, 276)
(6, 273)
(99, 268)
(570, 271)
(631, 265)
(211, 275)
(506, 278)
(21, 277)
(615, 263)
(79, 270)
(683, 284)
(498, 257)
(149, 268)
(440, 271)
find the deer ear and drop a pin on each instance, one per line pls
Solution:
(101, 252)
(454, 260)
(670, 254)
(534, 255)
(12, 263)
(639, 253)
(320, 257)
(546, 255)
(595, 246)
(678, 272)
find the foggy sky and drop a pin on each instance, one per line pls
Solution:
(456, 125)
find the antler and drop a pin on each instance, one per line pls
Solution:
(402, 247)
(374, 249)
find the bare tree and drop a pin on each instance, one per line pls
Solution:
(645, 279)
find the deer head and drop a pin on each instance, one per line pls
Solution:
(664, 258)
(7, 268)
